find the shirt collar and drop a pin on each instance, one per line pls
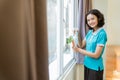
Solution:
(94, 33)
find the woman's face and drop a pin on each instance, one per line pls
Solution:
(92, 21)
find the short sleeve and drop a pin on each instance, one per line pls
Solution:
(102, 39)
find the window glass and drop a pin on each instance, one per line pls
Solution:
(60, 24)
(68, 29)
(52, 21)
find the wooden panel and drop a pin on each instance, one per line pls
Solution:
(111, 62)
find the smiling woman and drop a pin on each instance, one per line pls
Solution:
(94, 42)
(92, 20)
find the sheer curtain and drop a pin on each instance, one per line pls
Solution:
(23, 40)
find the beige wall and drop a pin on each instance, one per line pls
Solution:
(113, 17)
(110, 9)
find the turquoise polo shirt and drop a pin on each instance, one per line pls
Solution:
(94, 39)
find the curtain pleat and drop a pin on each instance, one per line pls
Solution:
(23, 40)
(41, 39)
(12, 41)
(30, 39)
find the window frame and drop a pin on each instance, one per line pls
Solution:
(60, 45)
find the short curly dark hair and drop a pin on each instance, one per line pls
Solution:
(98, 14)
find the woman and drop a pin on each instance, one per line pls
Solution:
(94, 43)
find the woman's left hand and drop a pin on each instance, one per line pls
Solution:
(76, 49)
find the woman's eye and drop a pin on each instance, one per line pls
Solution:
(92, 18)
(88, 20)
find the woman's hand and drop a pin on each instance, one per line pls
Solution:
(76, 49)
(73, 43)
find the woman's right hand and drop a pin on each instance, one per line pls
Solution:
(73, 43)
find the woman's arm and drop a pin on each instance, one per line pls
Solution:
(83, 43)
(94, 55)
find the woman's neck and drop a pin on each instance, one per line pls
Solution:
(95, 29)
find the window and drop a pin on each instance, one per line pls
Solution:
(60, 22)
(68, 28)
(53, 37)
